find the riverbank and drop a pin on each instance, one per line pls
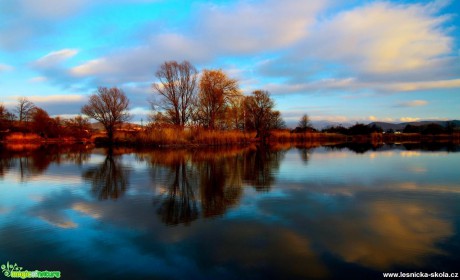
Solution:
(198, 137)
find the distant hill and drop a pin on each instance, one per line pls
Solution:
(325, 124)
(400, 126)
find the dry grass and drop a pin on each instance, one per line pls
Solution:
(170, 136)
(312, 137)
(23, 137)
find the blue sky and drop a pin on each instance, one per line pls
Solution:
(342, 61)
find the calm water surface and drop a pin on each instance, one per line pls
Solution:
(241, 213)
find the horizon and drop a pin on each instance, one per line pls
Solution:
(359, 61)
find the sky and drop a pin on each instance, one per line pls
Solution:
(341, 61)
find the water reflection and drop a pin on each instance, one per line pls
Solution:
(220, 184)
(33, 159)
(304, 153)
(178, 204)
(250, 212)
(359, 148)
(207, 182)
(110, 179)
(260, 165)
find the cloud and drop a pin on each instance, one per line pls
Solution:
(383, 37)
(5, 67)
(409, 119)
(376, 47)
(56, 98)
(54, 58)
(442, 84)
(261, 27)
(138, 64)
(413, 103)
(25, 23)
(39, 79)
(372, 118)
(51, 9)
(354, 84)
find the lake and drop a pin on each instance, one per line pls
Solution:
(345, 211)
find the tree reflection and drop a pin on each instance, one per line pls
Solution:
(304, 153)
(207, 182)
(110, 179)
(220, 185)
(6, 161)
(34, 159)
(259, 166)
(179, 204)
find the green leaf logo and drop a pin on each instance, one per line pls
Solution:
(8, 268)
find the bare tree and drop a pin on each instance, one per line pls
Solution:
(109, 107)
(304, 122)
(216, 88)
(259, 114)
(24, 109)
(177, 87)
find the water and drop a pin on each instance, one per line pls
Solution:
(241, 213)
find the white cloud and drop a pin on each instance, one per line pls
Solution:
(56, 57)
(384, 37)
(260, 27)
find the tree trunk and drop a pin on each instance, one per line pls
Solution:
(110, 134)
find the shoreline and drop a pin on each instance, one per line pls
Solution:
(316, 139)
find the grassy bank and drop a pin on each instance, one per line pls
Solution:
(183, 137)
(177, 137)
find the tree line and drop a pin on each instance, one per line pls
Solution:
(210, 99)
(183, 97)
(27, 117)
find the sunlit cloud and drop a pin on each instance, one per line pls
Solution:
(384, 37)
(409, 119)
(413, 103)
(444, 84)
(56, 98)
(55, 57)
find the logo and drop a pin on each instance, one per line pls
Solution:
(15, 271)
